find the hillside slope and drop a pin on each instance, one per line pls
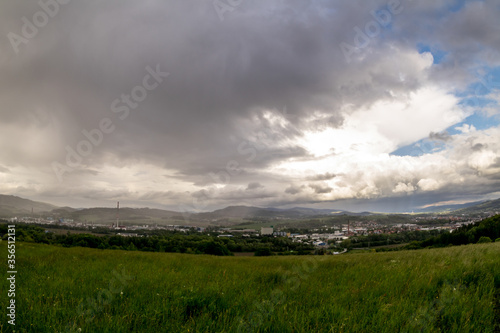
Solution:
(249, 212)
(452, 289)
(11, 205)
(108, 215)
(483, 208)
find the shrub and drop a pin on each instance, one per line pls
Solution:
(263, 252)
(484, 239)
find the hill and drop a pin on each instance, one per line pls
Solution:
(451, 289)
(467, 234)
(483, 208)
(249, 212)
(11, 206)
(447, 208)
(108, 215)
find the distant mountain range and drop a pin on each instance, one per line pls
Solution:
(447, 208)
(257, 212)
(12, 206)
(489, 207)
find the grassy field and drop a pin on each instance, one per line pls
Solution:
(453, 289)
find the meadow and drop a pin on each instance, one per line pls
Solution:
(453, 289)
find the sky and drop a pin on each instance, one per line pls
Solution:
(186, 105)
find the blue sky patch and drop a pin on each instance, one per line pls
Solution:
(429, 146)
(436, 52)
(421, 147)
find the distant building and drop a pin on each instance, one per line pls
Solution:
(320, 243)
(266, 231)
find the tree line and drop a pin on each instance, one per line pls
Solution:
(485, 231)
(374, 240)
(162, 241)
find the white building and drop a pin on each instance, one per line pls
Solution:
(266, 231)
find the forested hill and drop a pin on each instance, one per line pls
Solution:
(491, 207)
(486, 230)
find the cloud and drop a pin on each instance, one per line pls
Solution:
(404, 188)
(320, 188)
(325, 176)
(294, 189)
(254, 186)
(443, 136)
(264, 100)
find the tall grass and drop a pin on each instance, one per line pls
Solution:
(79, 289)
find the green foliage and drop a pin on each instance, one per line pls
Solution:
(389, 239)
(162, 241)
(484, 239)
(453, 289)
(263, 252)
(469, 234)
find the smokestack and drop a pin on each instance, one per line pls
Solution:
(118, 214)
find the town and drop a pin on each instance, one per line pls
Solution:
(322, 237)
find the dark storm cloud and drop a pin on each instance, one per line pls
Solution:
(469, 35)
(89, 54)
(254, 186)
(320, 188)
(294, 189)
(325, 176)
(228, 84)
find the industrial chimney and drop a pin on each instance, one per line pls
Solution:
(118, 214)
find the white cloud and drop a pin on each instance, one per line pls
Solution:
(404, 188)
(465, 128)
(428, 184)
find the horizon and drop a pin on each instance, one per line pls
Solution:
(387, 106)
(337, 209)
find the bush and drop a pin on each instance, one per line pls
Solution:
(264, 252)
(484, 239)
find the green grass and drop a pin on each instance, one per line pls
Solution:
(453, 289)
